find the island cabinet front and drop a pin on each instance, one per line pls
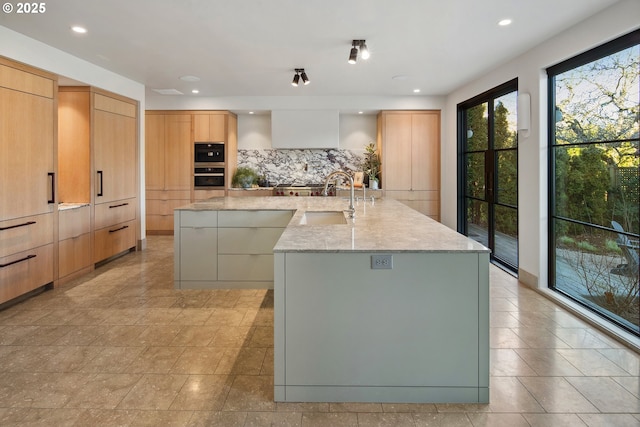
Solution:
(227, 249)
(416, 332)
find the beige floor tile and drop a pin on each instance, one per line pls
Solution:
(250, 393)
(509, 395)
(267, 363)
(162, 418)
(609, 420)
(505, 338)
(302, 406)
(203, 393)
(155, 360)
(217, 418)
(498, 420)
(112, 360)
(123, 316)
(503, 319)
(355, 407)
(626, 359)
(194, 336)
(580, 338)
(591, 362)
(242, 361)
(158, 335)
(12, 416)
(606, 394)
(502, 304)
(106, 417)
(232, 336)
(386, 419)
(159, 316)
(631, 384)
(193, 316)
(52, 417)
(548, 362)
(555, 394)
(262, 337)
(226, 317)
(409, 407)
(198, 360)
(154, 392)
(452, 419)
(122, 335)
(82, 335)
(103, 391)
(536, 337)
(66, 359)
(506, 362)
(546, 420)
(329, 419)
(281, 419)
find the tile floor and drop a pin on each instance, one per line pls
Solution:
(121, 347)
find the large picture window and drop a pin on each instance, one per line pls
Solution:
(594, 174)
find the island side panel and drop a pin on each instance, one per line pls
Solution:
(406, 334)
(483, 327)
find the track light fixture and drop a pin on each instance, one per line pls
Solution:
(353, 53)
(300, 73)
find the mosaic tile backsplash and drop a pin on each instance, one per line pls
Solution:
(299, 166)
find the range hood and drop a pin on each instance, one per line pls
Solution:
(305, 129)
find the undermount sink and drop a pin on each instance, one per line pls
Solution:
(323, 218)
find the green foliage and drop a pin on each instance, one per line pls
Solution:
(244, 177)
(612, 246)
(587, 247)
(371, 164)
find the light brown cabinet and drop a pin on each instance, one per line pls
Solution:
(210, 126)
(27, 179)
(409, 142)
(169, 168)
(115, 173)
(74, 242)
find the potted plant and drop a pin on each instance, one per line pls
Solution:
(244, 177)
(371, 164)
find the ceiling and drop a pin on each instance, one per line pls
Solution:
(251, 47)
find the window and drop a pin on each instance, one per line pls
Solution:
(593, 166)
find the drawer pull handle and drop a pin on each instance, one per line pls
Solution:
(17, 261)
(118, 229)
(117, 206)
(100, 183)
(53, 187)
(17, 225)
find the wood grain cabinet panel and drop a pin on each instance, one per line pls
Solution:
(409, 142)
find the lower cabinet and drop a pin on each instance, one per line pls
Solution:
(74, 240)
(26, 255)
(115, 228)
(160, 206)
(226, 249)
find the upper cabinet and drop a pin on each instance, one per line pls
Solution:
(115, 148)
(168, 151)
(409, 142)
(27, 135)
(210, 126)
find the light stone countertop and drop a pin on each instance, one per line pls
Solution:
(67, 206)
(385, 225)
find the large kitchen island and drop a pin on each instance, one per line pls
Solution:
(390, 306)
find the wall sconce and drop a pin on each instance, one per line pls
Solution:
(524, 111)
(300, 74)
(353, 53)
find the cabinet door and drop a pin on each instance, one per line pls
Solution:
(397, 152)
(198, 254)
(425, 151)
(178, 161)
(154, 151)
(115, 156)
(209, 127)
(26, 154)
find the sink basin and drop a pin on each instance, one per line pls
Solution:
(323, 218)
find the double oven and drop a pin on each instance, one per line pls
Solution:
(208, 165)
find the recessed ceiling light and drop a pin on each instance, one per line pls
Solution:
(78, 29)
(400, 77)
(251, 112)
(504, 22)
(360, 112)
(190, 79)
(416, 91)
(195, 91)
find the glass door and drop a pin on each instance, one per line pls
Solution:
(488, 212)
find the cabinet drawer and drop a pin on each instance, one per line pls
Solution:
(248, 240)
(412, 195)
(160, 222)
(198, 248)
(164, 207)
(245, 267)
(112, 240)
(74, 222)
(198, 218)
(115, 212)
(17, 235)
(168, 195)
(199, 195)
(254, 218)
(74, 254)
(33, 269)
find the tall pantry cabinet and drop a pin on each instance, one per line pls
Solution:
(409, 144)
(168, 167)
(28, 214)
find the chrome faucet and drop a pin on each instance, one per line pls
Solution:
(352, 209)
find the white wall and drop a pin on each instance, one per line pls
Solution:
(529, 68)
